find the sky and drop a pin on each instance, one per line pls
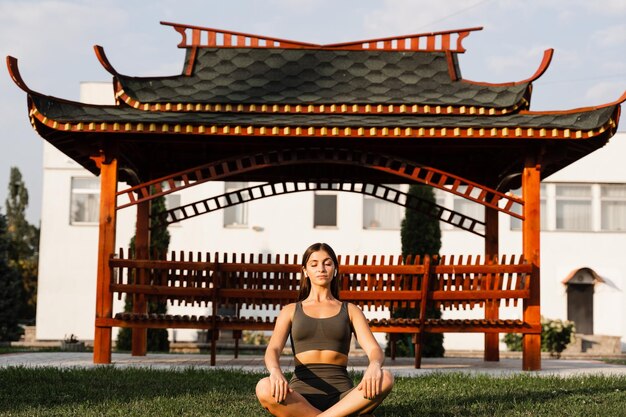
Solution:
(53, 41)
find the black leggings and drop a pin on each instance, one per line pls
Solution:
(322, 385)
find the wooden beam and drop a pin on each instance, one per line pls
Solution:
(106, 248)
(531, 187)
(418, 338)
(492, 342)
(142, 250)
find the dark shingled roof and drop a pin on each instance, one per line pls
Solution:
(306, 76)
(64, 111)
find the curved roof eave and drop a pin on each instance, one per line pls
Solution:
(543, 67)
(106, 64)
(621, 99)
(14, 72)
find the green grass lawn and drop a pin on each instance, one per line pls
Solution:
(108, 391)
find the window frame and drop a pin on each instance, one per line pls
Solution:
(398, 188)
(75, 191)
(325, 193)
(229, 187)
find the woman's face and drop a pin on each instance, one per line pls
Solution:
(320, 268)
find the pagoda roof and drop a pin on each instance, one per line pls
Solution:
(313, 77)
(420, 71)
(403, 97)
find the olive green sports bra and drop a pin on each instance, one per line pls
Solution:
(330, 333)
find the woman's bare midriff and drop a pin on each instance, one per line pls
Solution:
(321, 356)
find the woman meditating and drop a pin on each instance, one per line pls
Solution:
(321, 327)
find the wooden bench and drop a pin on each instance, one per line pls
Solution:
(257, 284)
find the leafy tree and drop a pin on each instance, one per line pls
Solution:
(10, 289)
(23, 250)
(159, 243)
(420, 235)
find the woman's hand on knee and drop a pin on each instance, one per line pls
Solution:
(371, 384)
(279, 386)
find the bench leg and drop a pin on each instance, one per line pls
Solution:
(492, 340)
(236, 336)
(213, 334)
(492, 347)
(393, 340)
(102, 345)
(139, 342)
(417, 342)
(531, 355)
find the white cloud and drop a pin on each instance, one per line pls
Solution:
(605, 91)
(300, 6)
(53, 40)
(610, 36)
(44, 28)
(610, 7)
(408, 16)
(522, 60)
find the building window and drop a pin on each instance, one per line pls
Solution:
(469, 208)
(85, 200)
(325, 209)
(382, 214)
(516, 224)
(613, 207)
(237, 215)
(573, 207)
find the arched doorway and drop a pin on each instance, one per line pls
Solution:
(580, 288)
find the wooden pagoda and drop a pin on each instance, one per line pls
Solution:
(378, 111)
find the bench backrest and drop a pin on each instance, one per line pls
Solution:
(265, 281)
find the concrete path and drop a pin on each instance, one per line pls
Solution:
(399, 367)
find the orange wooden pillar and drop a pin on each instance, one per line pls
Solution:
(142, 250)
(531, 187)
(106, 248)
(492, 342)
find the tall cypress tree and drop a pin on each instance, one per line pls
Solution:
(159, 243)
(23, 249)
(420, 235)
(10, 289)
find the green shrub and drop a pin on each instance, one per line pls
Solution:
(513, 341)
(555, 336)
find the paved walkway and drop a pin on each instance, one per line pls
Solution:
(399, 367)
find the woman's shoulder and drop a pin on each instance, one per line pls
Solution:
(289, 309)
(353, 308)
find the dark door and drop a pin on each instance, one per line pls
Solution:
(580, 307)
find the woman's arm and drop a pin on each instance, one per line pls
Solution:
(280, 385)
(372, 381)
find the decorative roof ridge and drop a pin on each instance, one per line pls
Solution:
(204, 37)
(543, 67)
(613, 103)
(431, 39)
(241, 39)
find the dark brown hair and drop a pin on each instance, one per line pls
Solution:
(305, 282)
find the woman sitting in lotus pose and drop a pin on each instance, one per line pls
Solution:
(321, 327)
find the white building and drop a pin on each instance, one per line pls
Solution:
(583, 226)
